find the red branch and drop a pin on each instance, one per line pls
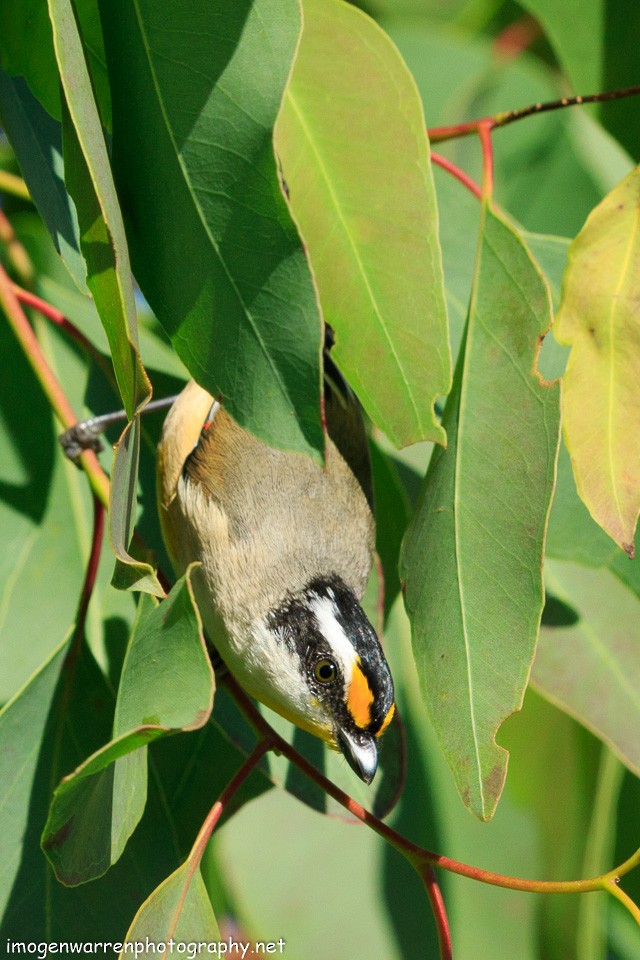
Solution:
(484, 131)
(428, 877)
(459, 174)
(60, 320)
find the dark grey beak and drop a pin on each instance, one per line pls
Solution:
(361, 752)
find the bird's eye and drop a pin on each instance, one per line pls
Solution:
(325, 671)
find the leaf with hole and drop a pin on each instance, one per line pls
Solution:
(598, 319)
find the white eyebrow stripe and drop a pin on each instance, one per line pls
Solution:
(326, 613)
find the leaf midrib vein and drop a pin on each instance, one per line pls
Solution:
(358, 261)
(250, 318)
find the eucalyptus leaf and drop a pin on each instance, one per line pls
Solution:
(62, 714)
(591, 668)
(90, 183)
(598, 319)
(178, 910)
(356, 162)
(166, 685)
(226, 273)
(37, 141)
(472, 557)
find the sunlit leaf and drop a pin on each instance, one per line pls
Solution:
(472, 557)
(599, 319)
(166, 685)
(356, 162)
(226, 273)
(90, 183)
(591, 668)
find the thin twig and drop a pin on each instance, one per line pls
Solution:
(484, 131)
(431, 885)
(18, 256)
(417, 856)
(10, 183)
(459, 174)
(48, 381)
(503, 119)
(56, 316)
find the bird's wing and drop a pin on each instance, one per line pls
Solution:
(345, 423)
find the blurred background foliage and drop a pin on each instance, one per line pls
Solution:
(277, 868)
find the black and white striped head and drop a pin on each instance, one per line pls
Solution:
(339, 685)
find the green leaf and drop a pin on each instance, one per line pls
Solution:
(39, 507)
(226, 273)
(179, 909)
(102, 240)
(598, 318)
(130, 573)
(351, 137)
(104, 246)
(37, 141)
(166, 685)
(61, 715)
(591, 669)
(392, 517)
(34, 59)
(472, 556)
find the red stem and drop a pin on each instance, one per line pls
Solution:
(48, 380)
(428, 877)
(484, 131)
(417, 856)
(60, 320)
(459, 174)
(222, 802)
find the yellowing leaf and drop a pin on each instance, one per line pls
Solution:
(599, 318)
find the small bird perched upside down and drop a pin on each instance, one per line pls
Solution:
(286, 548)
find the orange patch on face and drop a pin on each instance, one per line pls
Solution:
(387, 720)
(360, 698)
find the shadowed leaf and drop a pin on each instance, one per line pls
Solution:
(591, 668)
(356, 162)
(598, 318)
(472, 557)
(104, 247)
(194, 160)
(130, 573)
(61, 715)
(166, 685)
(37, 141)
(90, 183)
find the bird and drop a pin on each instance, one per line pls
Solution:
(285, 547)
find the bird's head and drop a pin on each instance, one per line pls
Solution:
(333, 679)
